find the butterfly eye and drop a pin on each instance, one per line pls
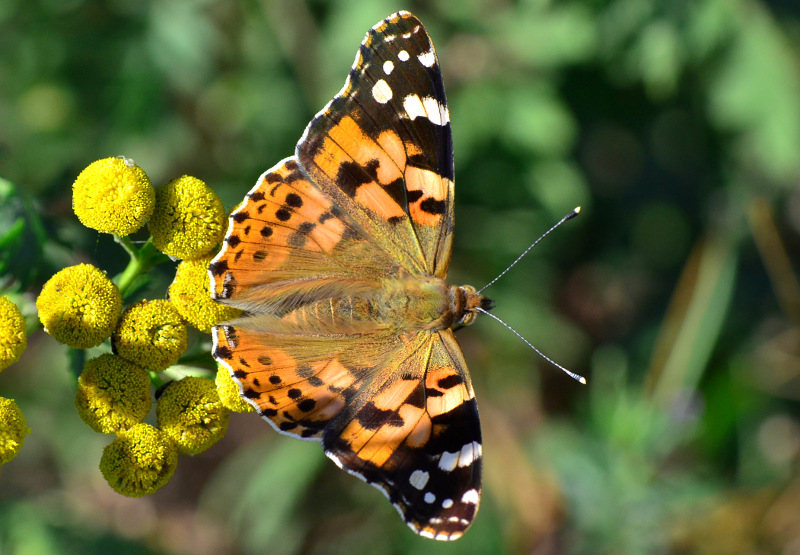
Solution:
(468, 318)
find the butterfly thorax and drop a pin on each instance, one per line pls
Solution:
(417, 303)
(406, 304)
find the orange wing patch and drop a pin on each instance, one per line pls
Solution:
(428, 193)
(384, 423)
(374, 170)
(298, 397)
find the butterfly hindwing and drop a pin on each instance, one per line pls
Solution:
(296, 382)
(382, 148)
(416, 437)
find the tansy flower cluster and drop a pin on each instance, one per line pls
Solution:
(13, 341)
(143, 349)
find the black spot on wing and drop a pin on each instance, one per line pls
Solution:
(219, 267)
(350, 177)
(414, 196)
(294, 200)
(307, 405)
(397, 190)
(433, 206)
(372, 418)
(294, 393)
(449, 381)
(305, 371)
(251, 393)
(223, 352)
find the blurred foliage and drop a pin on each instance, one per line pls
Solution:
(676, 125)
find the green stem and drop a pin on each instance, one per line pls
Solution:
(155, 379)
(142, 260)
(77, 359)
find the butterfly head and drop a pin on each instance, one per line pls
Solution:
(467, 304)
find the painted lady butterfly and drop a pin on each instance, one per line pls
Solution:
(338, 257)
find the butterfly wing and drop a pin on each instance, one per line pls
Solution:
(416, 437)
(406, 423)
(298, 382)
(382, 149)
(288, 244)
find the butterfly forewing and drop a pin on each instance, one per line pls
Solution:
(382, 148)
(288, 244)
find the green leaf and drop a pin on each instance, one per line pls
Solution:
(22, 237)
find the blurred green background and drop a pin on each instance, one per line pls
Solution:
(676, 125)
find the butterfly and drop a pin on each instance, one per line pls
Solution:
(338, 257)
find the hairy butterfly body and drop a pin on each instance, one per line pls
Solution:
(338, 257)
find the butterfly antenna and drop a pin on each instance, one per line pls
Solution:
(569, 216)
(573, 375)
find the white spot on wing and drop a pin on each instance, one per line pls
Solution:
(427, 59)
(471, 496)
(403, 56)
(427, 107)
(413, 107)
(469, 453)
(382, 92)
(448, 461)
(437, 113)
(389, 38)
(388, 66)
(426, 534)
(406, 35)
(429, 498)
(447, 503)
(419, 478)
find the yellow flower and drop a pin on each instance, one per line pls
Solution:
(113, 394)
(189, 220)
(13, 430)
(190, 413)
(139, 461)
(13, 339)
(79, 306)
(113, 195)
(228, 391)
(191, 295)
(151, 334)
